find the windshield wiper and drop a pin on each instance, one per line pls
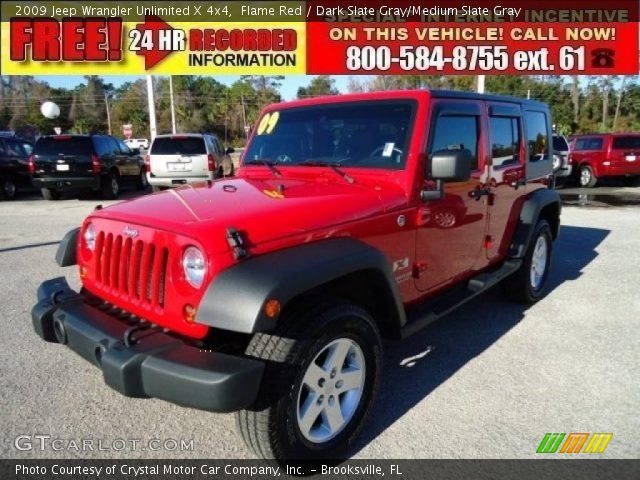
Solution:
(266, 162)
(333, 165)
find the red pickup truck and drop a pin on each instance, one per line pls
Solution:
(605, 155)
(352, 219)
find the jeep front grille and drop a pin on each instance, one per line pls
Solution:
(132, 268)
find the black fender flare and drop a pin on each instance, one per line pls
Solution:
(66, 255)
(235, 299)
(529, 215)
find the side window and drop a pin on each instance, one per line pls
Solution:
(28, 147)
(112, 146)
(505, 140)
(100, 146)
(14, 149)
(123, 148)
(537, 136)
(456, 132)
(211, 144)
(594, 144)
(581, 144)
(218, 146)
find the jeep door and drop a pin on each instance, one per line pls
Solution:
(506, 175)
(451, 231)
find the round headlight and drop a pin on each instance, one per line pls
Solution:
(90, 237)
(194, 266)
(557, 162)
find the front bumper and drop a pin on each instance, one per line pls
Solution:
(144, 363)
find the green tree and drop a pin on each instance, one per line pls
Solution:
(320, 85)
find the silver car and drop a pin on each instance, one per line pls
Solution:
(561, 165)
(175, 160)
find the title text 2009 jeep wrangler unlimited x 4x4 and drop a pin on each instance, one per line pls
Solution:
(352, 218)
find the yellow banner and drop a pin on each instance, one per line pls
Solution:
(194, 48)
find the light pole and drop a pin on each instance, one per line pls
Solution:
(152, 107)
(173, 109)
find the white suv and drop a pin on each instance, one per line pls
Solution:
(175, 160)
(137, 143)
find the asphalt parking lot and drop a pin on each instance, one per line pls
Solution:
(488, 381)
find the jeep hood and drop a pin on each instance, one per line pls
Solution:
(263, 209)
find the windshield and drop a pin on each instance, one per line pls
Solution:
(359, 134)
(560, 144)
(178, 145)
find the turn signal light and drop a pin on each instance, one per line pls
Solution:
(189, 312)
(272, 308)
(212, 162)
(32, 165)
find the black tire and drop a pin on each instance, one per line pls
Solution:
(8, 189)
(50, 194)
(110, 186)
(586, 178)
(142, 183)
(520, 286)
(271, 429)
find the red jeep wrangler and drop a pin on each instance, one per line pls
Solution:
(353, 218)
(605, 155)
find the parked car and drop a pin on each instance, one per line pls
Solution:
(14, 165)
(561, 165)
(85, 162)
(137, 143)
(175, 160)
(605, 155)
(268, 294)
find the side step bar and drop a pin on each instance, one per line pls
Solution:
(427, 313)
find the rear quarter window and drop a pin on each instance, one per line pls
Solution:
(63, 145)
(589, 143)
(173, 146)
(626, 143)
(537, 136)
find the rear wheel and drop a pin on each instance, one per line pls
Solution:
(8, 189)
(110, 186)
(50, 194)
(321, 377)
(528, 284)
(586, 178)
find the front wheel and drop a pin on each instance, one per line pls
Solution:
(321, 377)
(528, 284)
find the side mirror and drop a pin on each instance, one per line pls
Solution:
(230, 150)
(447, 166)
(451, 165)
